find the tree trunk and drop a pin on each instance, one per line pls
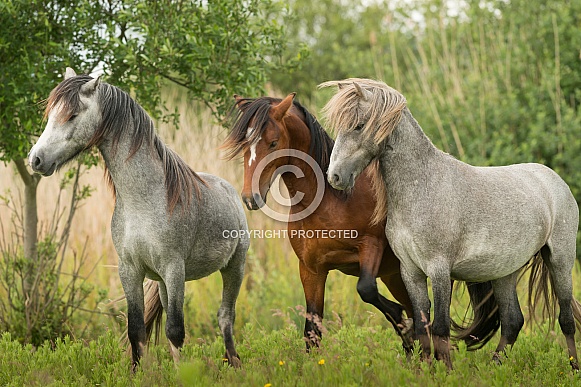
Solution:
(30, 221)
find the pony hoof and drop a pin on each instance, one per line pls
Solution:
(310, 344)
(574, 365)
(406, 326)
(233, 361)
(406, 332)
(175, 352)
(496, 359)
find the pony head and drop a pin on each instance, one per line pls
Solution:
(363, 113)
(72, 114)
(258, 131)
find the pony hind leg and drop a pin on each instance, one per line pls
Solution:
(232, 276)
(562, 283)
(511, 317)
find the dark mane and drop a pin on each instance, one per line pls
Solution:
(122, 114)
(256, 110)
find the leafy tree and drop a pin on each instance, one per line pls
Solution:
(337, 39)
(212, 48)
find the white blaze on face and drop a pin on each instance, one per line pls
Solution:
(252, 146)
(44, 138)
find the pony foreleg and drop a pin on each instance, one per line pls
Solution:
(417, 287)
(440, 276)
(175, 352)
(132, 283)
(232, 276)
(174, 280)
(397, 289)
(314, 288)
(370, 255)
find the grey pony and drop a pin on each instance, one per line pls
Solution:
(169, 223)
(450, 220)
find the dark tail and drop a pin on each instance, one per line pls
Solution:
(541, 291)
(486, 320)
(153, 312)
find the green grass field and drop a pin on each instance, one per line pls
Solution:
(349, 356)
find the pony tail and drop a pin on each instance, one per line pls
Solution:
(153, 312)
(541, 290)
(486, 320)
(576, 306)
(380, 192)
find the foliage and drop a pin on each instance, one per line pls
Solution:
(213, 49)
(38, 39)
(335, 39)
(57, 291)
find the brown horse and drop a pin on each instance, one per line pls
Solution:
(264, 125)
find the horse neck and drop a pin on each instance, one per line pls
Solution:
(405, 157)
(138, 178)
(300, 139)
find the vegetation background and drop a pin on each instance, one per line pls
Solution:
(491, 82)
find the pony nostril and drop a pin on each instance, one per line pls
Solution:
(36, 162)
(335, 178)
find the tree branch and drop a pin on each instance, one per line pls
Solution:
(24, 174)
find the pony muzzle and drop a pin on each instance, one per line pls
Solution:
(341, 181)
(39, 164)
(253, 201)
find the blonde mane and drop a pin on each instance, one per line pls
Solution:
(344, 112)
(378, 186)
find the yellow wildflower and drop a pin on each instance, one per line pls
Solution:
(322, 361)
(281, 363)
(268, 385)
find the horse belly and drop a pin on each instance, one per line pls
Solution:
(205, 261)
(481, 269)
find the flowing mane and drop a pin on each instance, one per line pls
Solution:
(343, 113)
(122, 114)
(256, 110)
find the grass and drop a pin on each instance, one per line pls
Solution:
(349, 356)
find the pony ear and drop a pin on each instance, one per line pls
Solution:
(341, 85)
(280, 110)
(365, 95)
(239, 99)
(69, 73)
(90, 87)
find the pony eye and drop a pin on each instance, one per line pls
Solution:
(359, 127)
(273, 144)
(73, 116)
